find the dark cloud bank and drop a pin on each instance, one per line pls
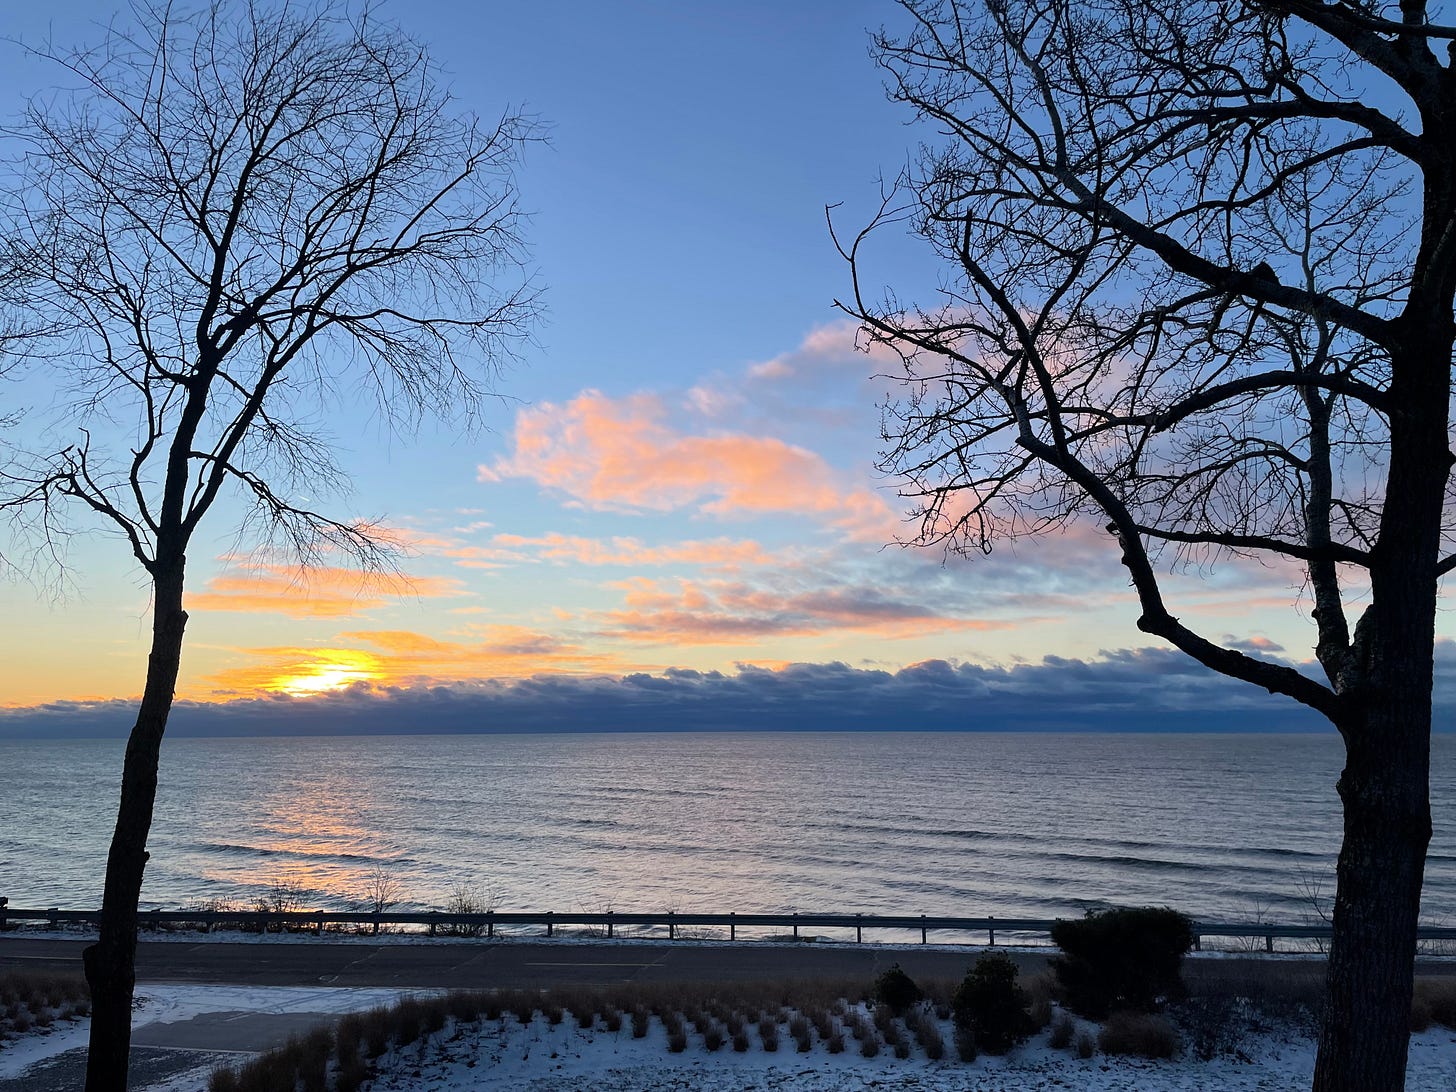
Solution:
(1147, 690)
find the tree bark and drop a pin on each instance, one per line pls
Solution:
(1385, 785)
(111, 962)
(1365, 1029)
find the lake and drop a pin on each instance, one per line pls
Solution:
(1005, 824)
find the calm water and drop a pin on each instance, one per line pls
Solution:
(1036, 825)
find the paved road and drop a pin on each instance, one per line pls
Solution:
(487, 964)
(513, 964)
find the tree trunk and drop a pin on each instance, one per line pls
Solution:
(1365, 1029)
(1385, 786)
(111, 961)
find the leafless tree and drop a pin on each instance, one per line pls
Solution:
(232, 220)
(381, 890)
(1202, 256)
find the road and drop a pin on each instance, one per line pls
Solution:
(483, 964)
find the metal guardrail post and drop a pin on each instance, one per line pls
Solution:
(490, 924)
(550, 925)
(993, 931)
(796, 925)
(923, 933)
(4, 912)
(610, 933)
(671, 927)
(732, 925)
(859, 928)
(1269, 942)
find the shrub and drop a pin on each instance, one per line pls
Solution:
(1420, 1018)
(1145, 1035)
(965, 1043)
(641, 1018)
(869, 1046)
(1214, 1025)
(1437, 996)
(1062, 1032)
(1121, 959)
(991, 1006)
(1086, 1045)
(466, 898)
(740, 1040)
(926, 1033)
(896, 990)
(712, 1037)
(823, 1022)
(768, 1031)
(835, 1043)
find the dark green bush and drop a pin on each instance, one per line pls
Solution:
(991, 1006)
(1121, 959)
(896, 990)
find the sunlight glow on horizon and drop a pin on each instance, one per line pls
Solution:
(341, 669)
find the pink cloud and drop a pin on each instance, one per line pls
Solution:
(836, 347)
(720, 613)
(620, 550)
(622, 455)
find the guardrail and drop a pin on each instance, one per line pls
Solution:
(606, 923)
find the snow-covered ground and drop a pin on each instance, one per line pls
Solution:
(501, 1055)
(539, 1057)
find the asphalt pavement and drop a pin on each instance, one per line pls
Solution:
(486, 964)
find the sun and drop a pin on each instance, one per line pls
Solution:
(333, 670)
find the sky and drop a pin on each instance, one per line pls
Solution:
(677, 490)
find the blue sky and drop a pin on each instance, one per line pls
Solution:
(680, 473)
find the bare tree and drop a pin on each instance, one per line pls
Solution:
(1202, 257)
(235, 219)
(381, 890)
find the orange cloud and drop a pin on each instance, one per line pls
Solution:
(314, 592)
(619, 454)
(405, 658)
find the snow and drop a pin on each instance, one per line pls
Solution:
(539, 1057)
(172, 1004)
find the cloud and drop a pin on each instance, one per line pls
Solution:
(735, 613)
(1251, 644)
(313, 592)
(719, 553)
(621, 455)
(1144, 689)
(403, 658)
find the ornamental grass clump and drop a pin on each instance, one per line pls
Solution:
(1141, 1034)
(992, 1007)
(1435, 999)
(1121, 959)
